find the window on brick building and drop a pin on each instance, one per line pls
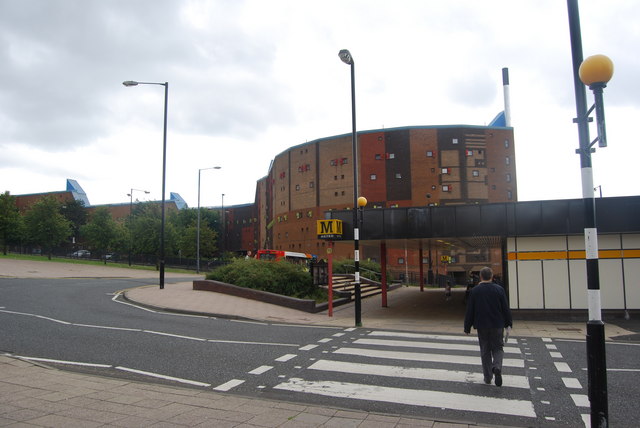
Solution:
(506, 144)
(475, 173)
(400, 260)
(454, 141)
(373, 177)
(508, 177)
(398, 175)
(378, 156)
(429, 153)
(297, 187)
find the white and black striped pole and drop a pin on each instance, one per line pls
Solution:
(507, 96)
(595, 72)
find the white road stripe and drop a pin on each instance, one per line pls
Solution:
(571, 382)
(424, 336)
(325, 340)
(555, 354)
(581, 400)
(551, 347)
(70, 363)
(286, 357)
(178, 336)
(429, 345)
(425, 398)
(228, 385)
(161, 376)
(413, 356)
(562, 367)
(308, 347)
(414, 373)
(105, 327)
(260, 370)
(293, 345)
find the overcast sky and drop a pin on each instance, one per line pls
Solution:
(249, 79)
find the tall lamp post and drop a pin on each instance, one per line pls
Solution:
(131, 216)
(198, 227)
(346, 57)
(164, 168)
(594, 72)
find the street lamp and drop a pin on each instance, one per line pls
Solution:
(198, 229)
(164, 168)
(595, 72)
(346, 57)
(131, 217)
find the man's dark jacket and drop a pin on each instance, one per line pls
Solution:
(487, 307)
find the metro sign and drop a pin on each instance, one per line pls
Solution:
(329, 229)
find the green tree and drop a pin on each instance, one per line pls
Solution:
(101, 232)
(75, 211)
(45, 225)
(11, 224)
(187, 241)
(145, 231)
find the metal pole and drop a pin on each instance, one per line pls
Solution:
(356, 225)
(164, 181)
(130, 217)
(596, 357)
(198, 228)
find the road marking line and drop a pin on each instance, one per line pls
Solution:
(325, 340)
(424, 398)
(308, 347)
(429, 345)
(413, 356)
(571, 382)
(260, 370)
(414, 373)
(350, 329)
(159, 333)
(551, 347)
(292, 345)
(562, 367)
(104, 327)
(339, 334)
(36, 316)
(586, 420)
(580, 400)
(71, 363)
(160, 376)
(555, 354)
(228, 385)
(424, 336)
(286, 357)
(546, 339)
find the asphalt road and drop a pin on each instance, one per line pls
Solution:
(434, 376)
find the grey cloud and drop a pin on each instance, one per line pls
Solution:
(64, 61)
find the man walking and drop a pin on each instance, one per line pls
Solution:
(488, 312)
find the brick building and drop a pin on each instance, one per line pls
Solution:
(398, 167)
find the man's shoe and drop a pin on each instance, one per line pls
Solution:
(487, 380)
(498, 373)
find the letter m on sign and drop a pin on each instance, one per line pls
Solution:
(329, 229)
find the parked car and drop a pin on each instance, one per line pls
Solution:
(82, 254)
(111, 256)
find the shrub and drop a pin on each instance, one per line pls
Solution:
(275, 277)
(367, 268)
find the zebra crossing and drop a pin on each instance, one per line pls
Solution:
(425, 371)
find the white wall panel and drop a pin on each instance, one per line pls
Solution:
(530, 284)
(556, 284)
(513, 285)
(542, 243)
(576, 242)
(578, 280)
(632, 282)
(611, 293)
(631, 241)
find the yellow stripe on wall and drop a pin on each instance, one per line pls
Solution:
(571, 255)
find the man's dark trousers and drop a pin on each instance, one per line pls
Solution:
(491, 352)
